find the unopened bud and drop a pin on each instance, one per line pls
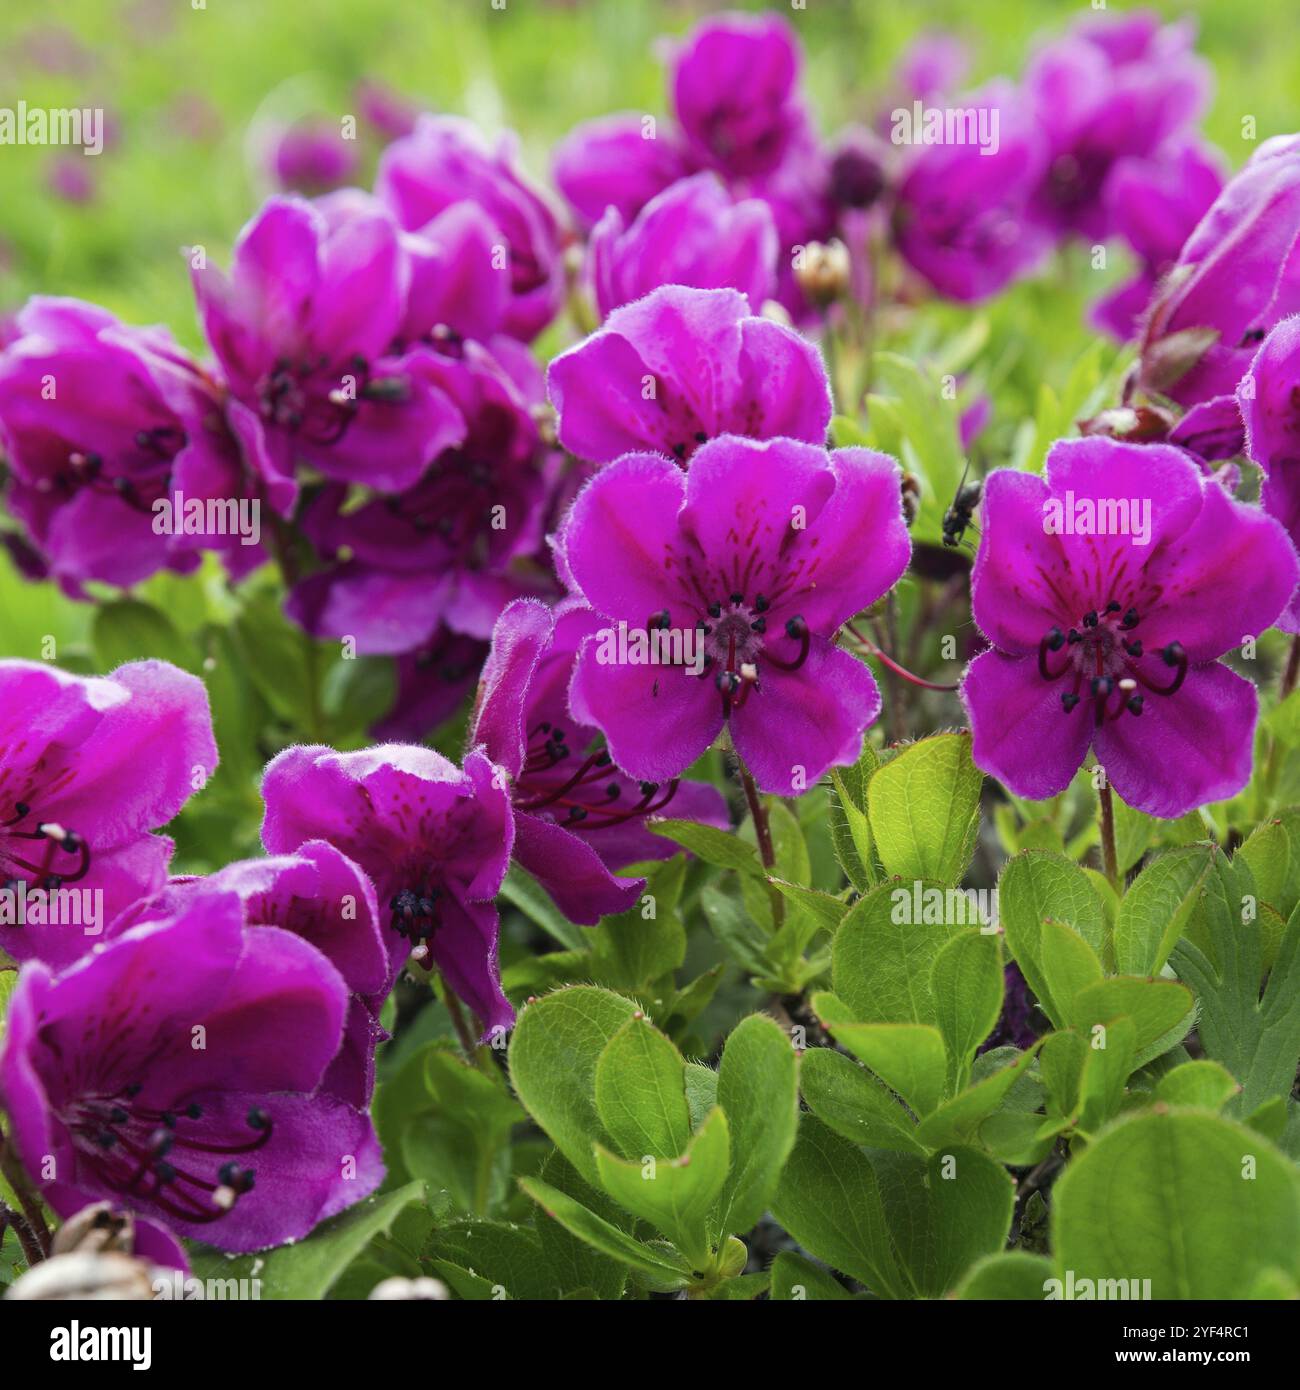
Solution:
(824, 272)
(78, 1276)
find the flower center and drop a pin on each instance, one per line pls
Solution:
(1106, 662)
(25, 839)
(736, 636)
(317, 401)
(588, 793)
(162, 1156)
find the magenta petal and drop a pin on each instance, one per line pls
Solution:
(1013, 597)
(1268, 398)
(617, 533)
(1184, 750)
(1226, 577)
(1022, 734)
(795, 725)
(518, 641)
(571, 871)
(464, 948)
(619, 161)
(656, 719)
(116, 793)
(784, 387)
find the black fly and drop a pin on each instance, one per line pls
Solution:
(958, 517)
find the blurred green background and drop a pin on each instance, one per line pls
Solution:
(183, 87)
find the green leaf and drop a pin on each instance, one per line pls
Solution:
(829, 1201)
(554, 1051)
(1170, 1197)
(674, 1195)
(797, 1280)
(1070, 965)
(944, 1213)
(1161, 1010)
(1200, 1083)
(960, 1119)
(881, 958)
(641, 1093)
(718, 847)
(853, 1103)
(308, 1269)
(908, 1057)
(1105, 1070)
(1157, 907)
(129, 630)
(1033, 887)
(1009, 1275)
(850, 827)
(652, 1263)
(924, 809)
(508, 1257)
(1256, 1037)
(631, 950)
(967, 983)
(759, 1091)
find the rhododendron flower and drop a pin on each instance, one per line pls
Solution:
(962, 217)
(1237, 277)
(1107, 633)
(449, 550)
(735, 88)
(695, 234)
(681, 367)
(759, 552)
(1269, 398)
(436, 840)
(320, 895)
(174, 1070)
(303, 329)
(1114, 86)
(577, 817)
(100, 423)
(620, 162)
(1154, 204)
(88, 768)
(446, 161)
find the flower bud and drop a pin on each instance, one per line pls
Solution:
(824, 272)
(79, 1276)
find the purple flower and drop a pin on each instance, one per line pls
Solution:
(451, 549)
(618, 162)
(962, 217)
(88, 768)
(1269, 398)
(577, 817)
(758, 553)
(173, 1070)
(681, 367)
(323, 897)
(1154, 204)
(1236, 278)
(1112, 639)
(735, 90)
(445, 161)
(436, 841)
(695, 233)
(310, 157)
(103, 426)
(1113, 87)
(303, 329)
